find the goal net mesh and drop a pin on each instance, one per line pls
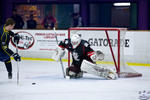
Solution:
(111, 41)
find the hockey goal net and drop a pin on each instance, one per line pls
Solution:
(111, 41)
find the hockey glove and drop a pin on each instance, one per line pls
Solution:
(59, 52)
(100, 55)
(97, 56)
(16, 38)
(16, 57)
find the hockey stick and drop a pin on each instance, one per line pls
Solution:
(17, 66)
(61, 63)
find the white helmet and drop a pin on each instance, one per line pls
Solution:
(75, 40)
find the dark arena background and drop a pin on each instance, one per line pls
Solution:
(95, 13)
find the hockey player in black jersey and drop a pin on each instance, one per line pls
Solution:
(81, 52)
(5, 52)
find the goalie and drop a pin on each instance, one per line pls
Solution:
(84, 58)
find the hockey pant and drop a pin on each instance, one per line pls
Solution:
(74, 72)
(8, 65)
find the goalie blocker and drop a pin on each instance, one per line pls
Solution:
(59, 52)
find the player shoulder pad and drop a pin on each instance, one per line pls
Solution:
(85, 43)
(11, 33)
(66, 41)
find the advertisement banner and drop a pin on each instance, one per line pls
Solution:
(42, 43)
(35, 42)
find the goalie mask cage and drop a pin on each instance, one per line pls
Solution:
(111, 41)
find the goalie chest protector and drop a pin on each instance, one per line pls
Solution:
(79, 53)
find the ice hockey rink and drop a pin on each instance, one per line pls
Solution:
(50, 84)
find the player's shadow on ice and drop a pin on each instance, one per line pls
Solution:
(46, 77)
(58, 77)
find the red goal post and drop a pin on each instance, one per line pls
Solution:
(107, 36)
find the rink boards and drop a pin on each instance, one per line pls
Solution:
(40, 44)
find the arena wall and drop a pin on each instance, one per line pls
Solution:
(42, 43)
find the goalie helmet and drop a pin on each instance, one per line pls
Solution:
(75, 40)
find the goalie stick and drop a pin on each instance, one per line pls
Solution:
(61, 63)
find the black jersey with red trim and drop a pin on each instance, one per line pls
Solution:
(5, 36)
(81, 52)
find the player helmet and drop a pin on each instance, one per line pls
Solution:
(75, 40)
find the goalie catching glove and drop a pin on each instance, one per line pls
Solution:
(97, 56)
(59, 52)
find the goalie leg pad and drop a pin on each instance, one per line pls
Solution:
(98, 70)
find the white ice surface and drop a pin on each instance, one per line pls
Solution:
(50, 84)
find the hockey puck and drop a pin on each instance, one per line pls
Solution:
(33, 83)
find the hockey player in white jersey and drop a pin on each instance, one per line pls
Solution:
(83, 58)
